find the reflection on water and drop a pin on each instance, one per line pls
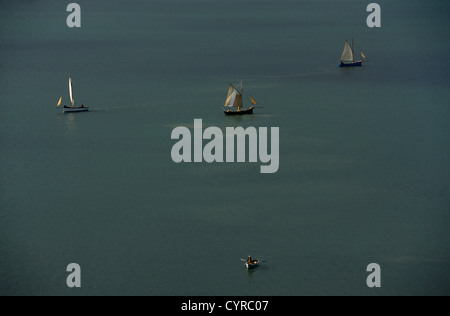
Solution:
(70, 121)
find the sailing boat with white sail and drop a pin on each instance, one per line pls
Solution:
(234, 102)
(72, 108)
(348, 56)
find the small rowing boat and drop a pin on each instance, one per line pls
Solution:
(252, 265)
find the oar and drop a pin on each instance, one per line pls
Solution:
(245, 260)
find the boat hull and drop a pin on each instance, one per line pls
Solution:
(252, 265)
(353, 64)
(239, 112)
(78, 109)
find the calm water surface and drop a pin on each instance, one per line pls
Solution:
(364, 152)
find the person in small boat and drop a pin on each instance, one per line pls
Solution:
(249, 260)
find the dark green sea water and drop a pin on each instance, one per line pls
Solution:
(364, 153)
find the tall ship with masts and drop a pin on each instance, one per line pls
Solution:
(348, 56)
(72, 108)
(234, 103)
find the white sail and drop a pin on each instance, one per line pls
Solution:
(70, 92)
(347, 54)
(234, 98)
(363, 56)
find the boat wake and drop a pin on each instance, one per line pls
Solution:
(124, 107)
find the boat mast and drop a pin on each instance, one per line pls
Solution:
(353, 52)
(242, 95)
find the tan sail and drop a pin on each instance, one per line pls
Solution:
(234, 98)
(347, 54)
(238, 101)
(253, 100)
(59, 102)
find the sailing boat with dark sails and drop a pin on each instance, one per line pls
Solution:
(348, 56)
(234, 102)
(72, 108)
